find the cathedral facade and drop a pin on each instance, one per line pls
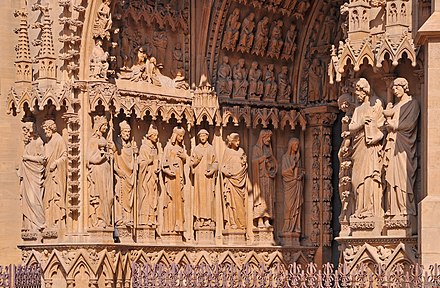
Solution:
(217, 131)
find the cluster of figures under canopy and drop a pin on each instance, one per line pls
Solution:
(145, 188)
(378, 155)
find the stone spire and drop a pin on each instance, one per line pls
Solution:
(23, 61)
(46, 56)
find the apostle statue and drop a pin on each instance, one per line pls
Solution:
(125, 175)
(174, 159)
(149, 158)
(99, 177)
(365, 131)
(31, 173)
(235, 184)
(400, 151)
(224, 79)
(264, 169)
(293, 187)
(55, 183)
(204, 167)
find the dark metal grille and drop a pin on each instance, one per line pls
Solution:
(279, 275)
(13, 276)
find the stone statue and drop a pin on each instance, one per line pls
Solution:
(103, 22)
(204, 166)
(344, 155)
(276, 41)
(255, 82)
(138, 72)
(235, 184)
(125, 175)
(224, 79)
(232, 31)
(98, 61)
(239, 75)
(315, 76)
(284, 88)
(400, 160)
(261, 37)
(270, 85)
(264, 169)
(365, 131)
(31, 174)
(247, 35)
(178, 58)
(55, 183)
(293, 186)
(149, 159)
(99, 177)
(289, 47)
(174, 159)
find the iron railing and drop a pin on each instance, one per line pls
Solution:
(13, 276)
(279, 275)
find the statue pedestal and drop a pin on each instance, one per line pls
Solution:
(290, 239)
(126, 234)
(31, 237)
(398, 226)
(234, 237)
(345, 229)
(172, 237)
(263, 236)
(101, 235)
(205, 235)
(146, 234)
(50, 236)
(366, 227)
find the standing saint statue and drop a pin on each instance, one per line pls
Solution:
(31, 173)
(293, 184)
(103, 22)
(264, 169)
(150, 154)
(174, 159)
(400, 151)
(125, 175)
(99, 177)
(205, 166)
(365, 130)
(224, 79)
(55, 184)
(235, 184)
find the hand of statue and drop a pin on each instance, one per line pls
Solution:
(345, 134)
(209, 173)
(53, 166)
(391, 125)
(41, 160)
(181, 155)
(345, 120)
(368, 119)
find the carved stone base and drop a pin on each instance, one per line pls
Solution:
(234, 237)
(102, 235)
(290, 239)
(172, 237)
(146, 234)
(205, 235)
(382, 250)
(126, 234)
(50, 236)
(345, 229)
(114, 262)
(366, 227)
(398, 227)
(263, 236)
(31, 237)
